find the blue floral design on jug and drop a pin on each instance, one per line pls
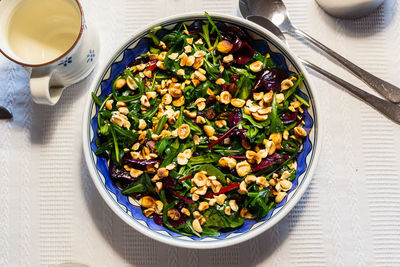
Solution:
(90, 57)
(65, 62)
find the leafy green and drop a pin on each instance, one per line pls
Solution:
(213, 171)
(276, 123)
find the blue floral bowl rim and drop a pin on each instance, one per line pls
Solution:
(315, 152)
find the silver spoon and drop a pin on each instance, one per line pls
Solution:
(390, 110)
(5, 114)
(275, 11)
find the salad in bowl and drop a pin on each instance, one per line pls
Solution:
(203, 132)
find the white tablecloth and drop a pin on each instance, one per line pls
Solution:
(51, 213)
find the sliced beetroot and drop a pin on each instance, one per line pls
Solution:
(234, 117)
(222, 137)
(289, 117)
(158, 219)
(243, 54)
(270, 160)
(181, 220)
(271, 79)
(232, 33)
(138, 163)
(119, 173)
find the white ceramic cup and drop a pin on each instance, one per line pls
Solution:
(53, 39)
(349, 8)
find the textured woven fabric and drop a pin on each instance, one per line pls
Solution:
(51, 213)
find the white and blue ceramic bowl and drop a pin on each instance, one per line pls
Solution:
(126, 208)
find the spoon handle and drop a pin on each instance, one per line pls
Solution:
(387, 90)
(392, 111)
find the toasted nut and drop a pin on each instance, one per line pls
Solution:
(285, 175)
(280, 98)
(141, 67)
(225, 97)
(280, 196)
(212, 202)
(227, 210)
(243, 168)
(209, 130)
(220, 123)
(158, 207)
(145, 101)
(179, 102)
(183, 57)
(120, 83)
(286, 185)
(224, 46)
(200, 179)
(198, 62)
(250, 156)
(183, 131)
(188, 153)
(196, 224)
(220, 199)
(180, 72)
(256, 66)
(220, 81)
(166, 99)
(185, 211)
(258, 96)
(147, 73)
(148, 212)
(200, 76)
(285, 135)
(259, 117)
(123, 110)
(247, 110)
(264, 111)
(262, 181)
(201, 191)
(135, 155)
(182, 160)
(193, 189)
(189, 40)
(158, 187)
(200, 119)
(286, 84)
(161, 56)
(244, 213)
(201, 106)
(190, 114)
(227, 59)
(245, 144)
(188, 49)
(233, 205)
(195, 197)
(263, 153)
(203, 206)
(160, 65)
(195, 82)
(120, 104)
(142, 124)
(174, 214)
(135, 173)
(197, 214)
(175, 92)
(109, 104)
(268, 97)
(300, 132)
(254, 107)
(227, 162)
(196, 139)
(173, 56)
(147, 202)
(216, 186)
(270, 146)
(242, 188)
(199, 41)
(162, 172)
(277, 139)
(190, 61)
(237, 102)
(250, 179)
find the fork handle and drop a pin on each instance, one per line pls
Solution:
(386, 89)
(390, 110)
